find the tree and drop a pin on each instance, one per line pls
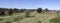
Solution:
(2, 13)
(16, 10)
(46, 10)
(39, 10)
(10, 11)
(22, 10)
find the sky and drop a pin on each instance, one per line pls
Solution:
(31, 4)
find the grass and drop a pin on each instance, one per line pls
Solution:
(39, 21)
(18, 18)
(7, 22)
(55, 20)
(36, 18)
(1, 19)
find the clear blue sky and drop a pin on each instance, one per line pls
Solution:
(31, 4)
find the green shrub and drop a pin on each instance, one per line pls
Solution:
(10, 11)
(27, 15)
(46, 10)
(39, 21)
(18, 18)
(39, 10)
(1, 19)
(7, 22)
(55, 20)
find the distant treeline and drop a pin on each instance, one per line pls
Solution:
(6, 11)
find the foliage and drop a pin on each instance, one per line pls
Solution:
(22, 10)
(7, 22)
(46, 10)
(15, 10)
(27, 14)
(1, 19)
(39, 10)
(2, 12)
(55, 20)
(10, 11)
(39, 21)
(18, 18)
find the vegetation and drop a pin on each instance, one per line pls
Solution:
(22, 10)
(39, 10)
(1, 12)
(8, 22)
(16, 10)
(27, 16)
(1, 19)
(55, 20)
(46, 10)
(39, 21)
(10, 11)
(18, 18)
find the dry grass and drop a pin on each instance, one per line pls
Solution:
(43, 17)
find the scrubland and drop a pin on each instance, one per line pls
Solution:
(34, 17)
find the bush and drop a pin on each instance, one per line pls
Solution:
(39, 10)
(55, 20)
(10, 11)
(1, 19)
(2, 13)
(7, 22)
(16, 10)
(22, 10)
(46, 10)
(27, 15)
(39, 21)
(18, 18)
